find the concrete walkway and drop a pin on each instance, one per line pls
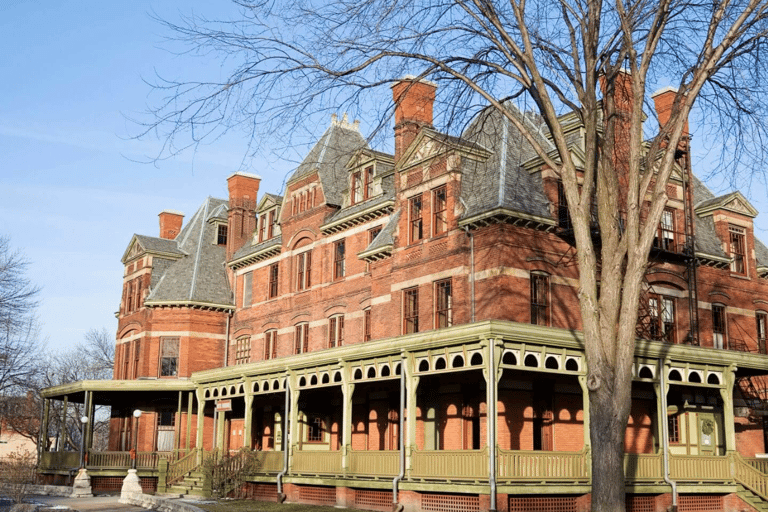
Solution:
(101, 503)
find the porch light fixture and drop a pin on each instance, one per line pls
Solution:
(137, 415)
(84, 421)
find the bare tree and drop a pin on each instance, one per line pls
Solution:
(596, 60)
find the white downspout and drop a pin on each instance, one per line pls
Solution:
(280, 495)
(665, 436)
(492, 418)
(396, 507)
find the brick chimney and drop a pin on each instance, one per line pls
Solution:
(664, 100)
(413, 109)
(170, 223)
(623, 100)
(241, 223)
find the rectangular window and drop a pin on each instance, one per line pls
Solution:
(303, 271)
(661, 314)
(221, 235)
(411, 310)
(762, 324)
(273, 275)
(665, 238)
(674, 429)
(738, 250)
(539, 299)
(357, 188)
(367, 324)
(414, 219)
(247, 289)
(439, 211)
(272, 223)
(314, 429)
(335, 331)
(301, 338)
(270, 344)
(136, 354)
(718, 326)
(169, 357)
(339, 265)
(443, 304)
(262, 228)
(243, 350)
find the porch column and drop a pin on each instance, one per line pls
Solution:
(43, 439)
(60, 440)
(726, 392)
(491, 374)
(190, 397)
(200, 426)
(221, 423)
(248, 420)
(177, 428)
(661, 413)
(410, 406)
(90, 410)
(293, 440)
(347, 390)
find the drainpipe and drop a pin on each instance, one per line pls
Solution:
(471, 271)
(226, 341)
(280, 494)
(492, 418)
(397, 507)
(665, 437)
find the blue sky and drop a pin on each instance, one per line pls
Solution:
(72, 191)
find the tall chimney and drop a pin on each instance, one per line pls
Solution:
(241, 222)
(664, 100)
(413, 109)
(170, 223)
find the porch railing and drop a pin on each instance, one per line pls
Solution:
(750, 476)
(759, 464)
(178, 469)
(270, 461)
(699, 468)
(144, 460)
(59, 460)
(316, 462)
(514, 465)
(450, 464)
(643, 467)
(374, 463)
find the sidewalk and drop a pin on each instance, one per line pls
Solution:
(101, 503)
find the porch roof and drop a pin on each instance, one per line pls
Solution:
(102, 389)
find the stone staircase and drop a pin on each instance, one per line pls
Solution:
(193, 484)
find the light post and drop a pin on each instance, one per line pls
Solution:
(137, 415)
(83, 422)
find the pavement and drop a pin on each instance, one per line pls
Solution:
(104, 503)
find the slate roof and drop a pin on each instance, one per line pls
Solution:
(249, 249)
(388, 187)
(155, 244)
(387, 235)
(330, 156)
(199, 276)
(707, 241)
(500, 181)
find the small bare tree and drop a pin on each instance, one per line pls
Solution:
(594, 59)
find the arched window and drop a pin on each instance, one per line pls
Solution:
(336, 331)
(301, 338)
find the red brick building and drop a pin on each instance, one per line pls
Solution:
(355, 330)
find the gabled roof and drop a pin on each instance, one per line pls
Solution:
(268, 201)
(140, 244)
(329, 158)
(733, 202)
(382, 245)
(198, 278)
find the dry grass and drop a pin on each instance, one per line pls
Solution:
(261, 506)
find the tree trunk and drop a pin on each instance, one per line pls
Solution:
(607, 425)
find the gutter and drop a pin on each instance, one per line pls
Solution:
(471, 273)
(397, 507)
(665, 437)
(280, 494)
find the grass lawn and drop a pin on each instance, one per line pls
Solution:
(261, 506)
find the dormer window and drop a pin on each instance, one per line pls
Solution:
(738, 250)
(268, 225)
(221, 234)
(362, 185)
